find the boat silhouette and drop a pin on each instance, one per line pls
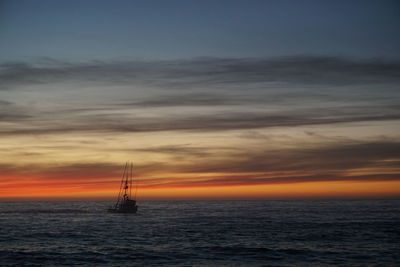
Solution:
(125, 202)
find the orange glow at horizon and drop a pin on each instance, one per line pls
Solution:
(342, 189)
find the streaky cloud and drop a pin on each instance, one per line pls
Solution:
(347, 161)
(305, 70)
(245, 180)
(192, 99)
(126, 123)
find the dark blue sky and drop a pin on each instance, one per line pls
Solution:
(89, 30)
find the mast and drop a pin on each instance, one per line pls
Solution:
(126, 187)
(120, 186)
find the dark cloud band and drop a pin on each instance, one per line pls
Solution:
(306, 70)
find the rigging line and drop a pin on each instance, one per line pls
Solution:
(130, 182)
(121, 184)
(136, 183)
(122, 181)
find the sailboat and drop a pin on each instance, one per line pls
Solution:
(125, 202)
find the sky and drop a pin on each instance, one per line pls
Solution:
(208, 99)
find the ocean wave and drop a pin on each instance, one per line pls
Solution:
(202, 233)
(48, 211)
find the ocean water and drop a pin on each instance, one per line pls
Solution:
(202, 233)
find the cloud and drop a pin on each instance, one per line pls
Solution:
(176, 150)
(217, 121)
(197, 99)
(347, 161)
(5, 103)
(83, 171)
(221, 95)
(246, 180)
(334, 159)
(299, 70)
(226, 98)
(10, 112)
(246, 106)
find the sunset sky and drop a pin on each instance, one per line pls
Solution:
(208, 99)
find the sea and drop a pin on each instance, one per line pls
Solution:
(202, 233)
